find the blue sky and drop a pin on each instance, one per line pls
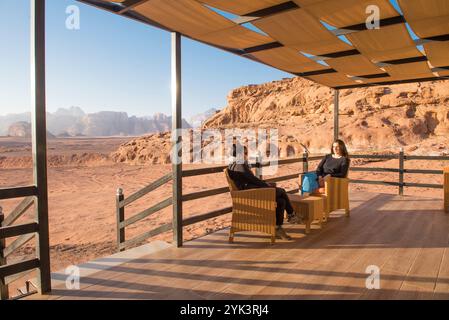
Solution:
(113, 63)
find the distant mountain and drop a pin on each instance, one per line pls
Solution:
(22, 129)
(8, 120)
(198, 120)
(75, 122)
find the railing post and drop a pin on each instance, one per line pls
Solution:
(258, 167)
(177, 138)
(336, 114)
(4, 292)
(120, 218)
(401, 171)
(305, 162)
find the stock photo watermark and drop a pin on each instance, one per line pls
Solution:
(73, 20)
(72, 281)
(373, 20)
(226, 146)
(372, 282)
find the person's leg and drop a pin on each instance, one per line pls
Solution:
(280, 207)
(280, 232)
(293, 217)
(282, 194)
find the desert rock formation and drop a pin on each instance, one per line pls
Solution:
(377, 119)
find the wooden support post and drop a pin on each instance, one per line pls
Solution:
(446, 190)
(39, 140)
(401, 171)
(336, 115)
(177, 138)
(120, 211)
(259, 167)
(305, 162)
(4, 290)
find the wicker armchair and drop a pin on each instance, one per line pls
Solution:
(252, 210)
(335, 194)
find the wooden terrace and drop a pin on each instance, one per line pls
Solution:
(406, 237)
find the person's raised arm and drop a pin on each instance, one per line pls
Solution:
(320, 168)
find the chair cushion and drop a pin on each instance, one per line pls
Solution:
(320, 191)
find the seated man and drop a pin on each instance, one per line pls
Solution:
(240, 172)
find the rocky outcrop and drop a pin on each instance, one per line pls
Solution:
(151, 149)
(377, 118)
(197, 120)
(20, 129)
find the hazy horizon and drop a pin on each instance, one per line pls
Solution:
(113, 63)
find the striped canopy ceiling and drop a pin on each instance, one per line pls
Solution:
(326, 41)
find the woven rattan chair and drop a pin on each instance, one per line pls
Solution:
(252, 210)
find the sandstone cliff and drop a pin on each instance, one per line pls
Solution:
(414, 116)
(379, 119)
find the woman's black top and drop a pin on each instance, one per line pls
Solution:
(337, 168)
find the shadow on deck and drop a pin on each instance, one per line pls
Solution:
(405, 237)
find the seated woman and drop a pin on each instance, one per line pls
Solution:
(335, 164)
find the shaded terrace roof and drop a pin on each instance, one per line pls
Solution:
(325, 41)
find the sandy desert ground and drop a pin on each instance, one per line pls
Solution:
(83, 181)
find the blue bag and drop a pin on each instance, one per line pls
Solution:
(309, 182)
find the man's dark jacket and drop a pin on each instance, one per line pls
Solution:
(244, 178)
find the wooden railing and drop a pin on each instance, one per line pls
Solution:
(24, 233)
(122, 202)
(122, 223)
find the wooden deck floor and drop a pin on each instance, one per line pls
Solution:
(406, 237)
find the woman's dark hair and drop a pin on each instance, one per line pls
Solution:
(342, 145)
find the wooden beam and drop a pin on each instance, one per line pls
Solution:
(435, 158)
(144, 236)
(363, 26)
(177, 137)
(19, 192)
(19, 242)
(206, 216)
(120, 217)
(401, 172)
(144, 191)
(18, 211)
(418, 171)
(357, 169)
(18, 230)
(4, 290)
(145, 213)
(14, 268)
(131, 4)
(39, 140)
(266, 46)
(388, 83)
(316, 72)
(336, 115)
(382, 183)
(285, 6)
(205, 194)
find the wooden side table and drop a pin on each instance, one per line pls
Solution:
(311, 208)
(446, 190)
